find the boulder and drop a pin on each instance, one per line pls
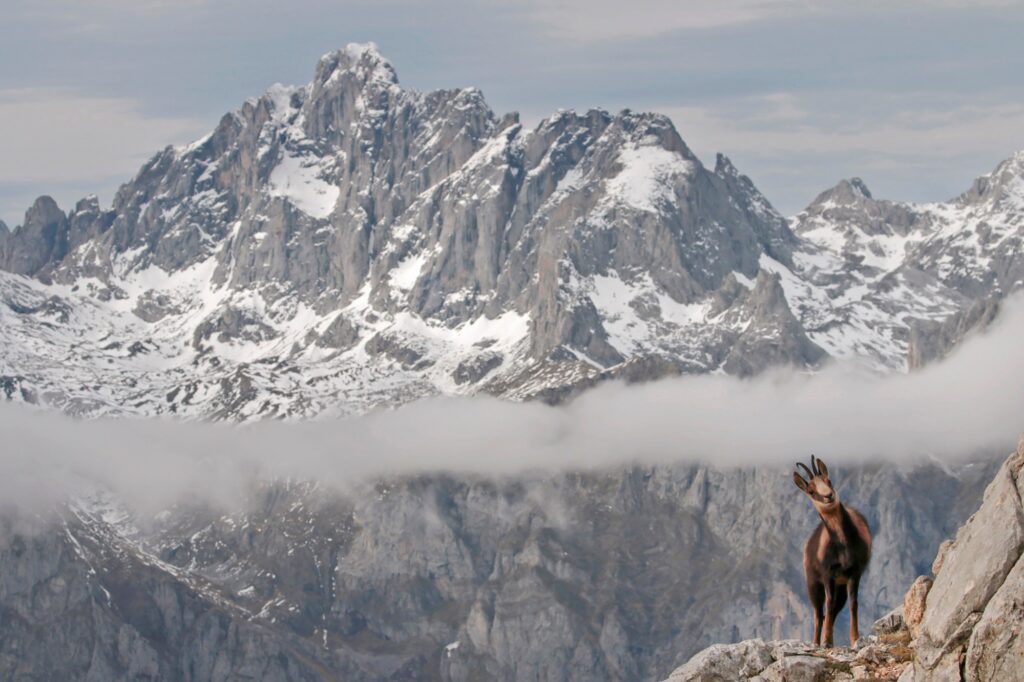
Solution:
(889, 623)
(914, 604)
(725, 663)
(795, 669)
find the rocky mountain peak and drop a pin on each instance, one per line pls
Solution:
(361, 62)
(847, 192)
(724, 166)
(88, 204)
(858, 187)
(44, 211)
(873, 229)
(40, 241)
(1002, 188)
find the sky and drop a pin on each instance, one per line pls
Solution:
(917, 97)
(965, 406)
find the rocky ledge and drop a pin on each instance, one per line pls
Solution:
(963, 624)
(883, 656)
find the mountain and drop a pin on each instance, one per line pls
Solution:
(604, 575)
(913, 278)
(350, 243)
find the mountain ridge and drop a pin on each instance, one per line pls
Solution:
(388, 244)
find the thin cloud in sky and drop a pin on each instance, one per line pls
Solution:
(899, 143)
(590, 20)
(798, 92)
(65, 135)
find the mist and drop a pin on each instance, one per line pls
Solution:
(972, 402)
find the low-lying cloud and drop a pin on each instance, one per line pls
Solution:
(971, 402)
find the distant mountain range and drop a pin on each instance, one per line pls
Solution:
(349, 243)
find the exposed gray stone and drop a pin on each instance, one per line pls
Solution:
(232, 324)
(473, 370)
(341, 334)
(725, 663)
(393, 346)
(889, 623)
(975, 566)
(42, 240)
(996, 649)
(931, 341)
(796, 669)
(975, 600)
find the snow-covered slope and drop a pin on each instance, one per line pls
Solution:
(884, 280)
(350, 243)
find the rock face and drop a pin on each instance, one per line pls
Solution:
(41, 241)
(963, 626)
(973, 620)
(931, 340)
(598, 576)
(79, 604)
(372, 236)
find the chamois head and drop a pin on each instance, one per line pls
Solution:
(817, 485)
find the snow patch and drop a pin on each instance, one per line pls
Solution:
(298, 180)
(405, 274)
(647, 176)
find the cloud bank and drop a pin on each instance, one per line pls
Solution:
(972, 402)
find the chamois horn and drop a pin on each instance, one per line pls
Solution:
(808, 471)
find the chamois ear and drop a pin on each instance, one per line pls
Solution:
(822, 469)
(800, 482)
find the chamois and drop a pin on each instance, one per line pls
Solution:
(836, 554)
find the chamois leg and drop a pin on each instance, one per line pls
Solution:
(851, 588)
(838, 601)
(816, 592)
(830, 612)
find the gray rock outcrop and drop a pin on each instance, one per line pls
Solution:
(973, 619)
(41, 241)
(789, 661)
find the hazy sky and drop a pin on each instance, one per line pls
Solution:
(915, 96)
(968, 404)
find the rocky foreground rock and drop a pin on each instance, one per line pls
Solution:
(965, 624)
